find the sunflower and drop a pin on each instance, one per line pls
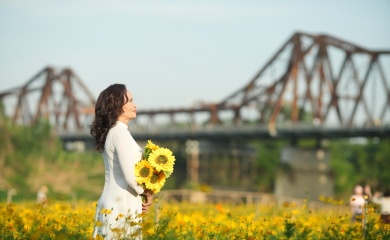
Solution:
(150, 147)
(162, 160)
(143, 171)
(156, 181)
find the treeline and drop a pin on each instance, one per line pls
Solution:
(367, 162)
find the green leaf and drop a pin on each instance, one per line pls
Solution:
(167, 173)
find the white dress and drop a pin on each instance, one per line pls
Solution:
(120, 202)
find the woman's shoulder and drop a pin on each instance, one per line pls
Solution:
(118, 137)
(117, 132)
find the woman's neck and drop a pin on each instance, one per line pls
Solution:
(125, 121)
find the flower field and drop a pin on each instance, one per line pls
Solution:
(61, 220)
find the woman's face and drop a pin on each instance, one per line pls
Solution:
(129, 109)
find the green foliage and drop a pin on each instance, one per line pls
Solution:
(31, 156)
(363, 163)
(341, 161)
(162, 229)
(2, 111)
(289, 227)
(267, 163)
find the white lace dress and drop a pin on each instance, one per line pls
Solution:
(120, 201)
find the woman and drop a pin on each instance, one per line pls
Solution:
(120, 205)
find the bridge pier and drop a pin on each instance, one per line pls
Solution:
(224, 165)
(81, 145)
(304, 173)
(192, 150)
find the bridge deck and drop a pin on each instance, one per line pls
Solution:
(245, 133)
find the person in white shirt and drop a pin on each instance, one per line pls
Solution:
(384, 201)
(42, 195)
(356, 203)
(119, 209)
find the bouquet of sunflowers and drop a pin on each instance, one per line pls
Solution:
(155, 167)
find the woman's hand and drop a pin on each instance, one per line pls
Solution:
(148, 195)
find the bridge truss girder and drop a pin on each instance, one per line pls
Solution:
(315, 80)
(312, 79)
(60, 97)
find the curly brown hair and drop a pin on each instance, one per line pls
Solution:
(107, 110)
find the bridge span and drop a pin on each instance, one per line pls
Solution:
(318, 81)
(243, 133)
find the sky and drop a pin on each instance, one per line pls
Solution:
(171, 53)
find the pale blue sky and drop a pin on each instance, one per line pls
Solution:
(171, 53)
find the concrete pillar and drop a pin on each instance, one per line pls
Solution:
(304, 173)
(192, 150)
(225, 165)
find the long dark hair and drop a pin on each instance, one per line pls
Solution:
(107, 110)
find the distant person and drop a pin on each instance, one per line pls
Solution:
(11, 192)
(356, 203)
(120, 203)
(384, 201)
(42, 195)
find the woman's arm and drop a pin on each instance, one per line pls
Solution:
(128, 159)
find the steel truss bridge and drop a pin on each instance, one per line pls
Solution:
(314, 86)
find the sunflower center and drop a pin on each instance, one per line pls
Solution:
(144, 172)
(154, 178)
(162, 159)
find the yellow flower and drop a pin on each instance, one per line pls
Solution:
(143, 171)
(156, 181)
(26, 228)
(162, 160)
(152, 146)
(105, 211)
